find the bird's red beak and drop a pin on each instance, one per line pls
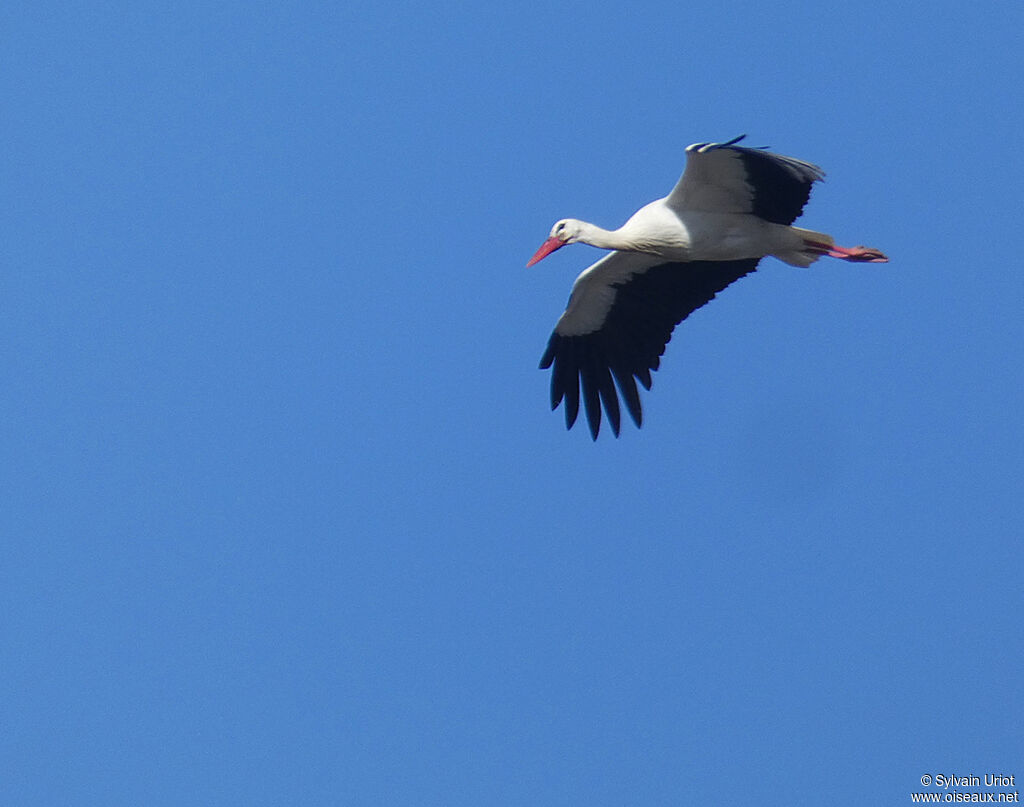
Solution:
(549, 246)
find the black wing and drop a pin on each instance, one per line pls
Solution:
(724, 177)
(617, 324)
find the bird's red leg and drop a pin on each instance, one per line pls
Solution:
(855, 254)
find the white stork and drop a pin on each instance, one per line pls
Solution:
(732, 206)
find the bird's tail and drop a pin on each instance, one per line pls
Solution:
(811, 246)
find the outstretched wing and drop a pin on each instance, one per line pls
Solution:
(619, 318)
(726, 178)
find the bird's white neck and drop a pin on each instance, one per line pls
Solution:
(607, 239)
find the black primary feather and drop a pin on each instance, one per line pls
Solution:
(630, 342)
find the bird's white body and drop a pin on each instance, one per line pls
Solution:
(701, 235)
(731, 207)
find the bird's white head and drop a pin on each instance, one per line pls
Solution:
(566, 231)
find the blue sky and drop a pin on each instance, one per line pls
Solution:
(285, 517)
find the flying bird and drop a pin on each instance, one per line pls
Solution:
(732, 206)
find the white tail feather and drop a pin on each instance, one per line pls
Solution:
(808, 254)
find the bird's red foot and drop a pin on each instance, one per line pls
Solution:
(856, 254)
(859, 254)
